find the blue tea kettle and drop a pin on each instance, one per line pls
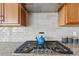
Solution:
(40, 40)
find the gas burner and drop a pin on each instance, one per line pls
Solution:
(42, 49)
(50, 46)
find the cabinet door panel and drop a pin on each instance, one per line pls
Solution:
(72, 13)
(11, 13)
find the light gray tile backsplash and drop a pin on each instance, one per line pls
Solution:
(47, 22)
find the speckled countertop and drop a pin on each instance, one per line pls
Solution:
(7, 49)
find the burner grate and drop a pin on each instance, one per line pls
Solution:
(50, 46)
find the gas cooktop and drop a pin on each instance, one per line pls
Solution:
(50, 46)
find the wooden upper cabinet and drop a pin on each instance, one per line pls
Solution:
(69, 14)
(14, 15)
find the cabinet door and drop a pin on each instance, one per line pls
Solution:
(72, 13)
(11, 13)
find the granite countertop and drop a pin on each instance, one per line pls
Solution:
(7, 49)
(74, 48)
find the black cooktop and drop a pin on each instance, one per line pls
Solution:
(55, 46)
